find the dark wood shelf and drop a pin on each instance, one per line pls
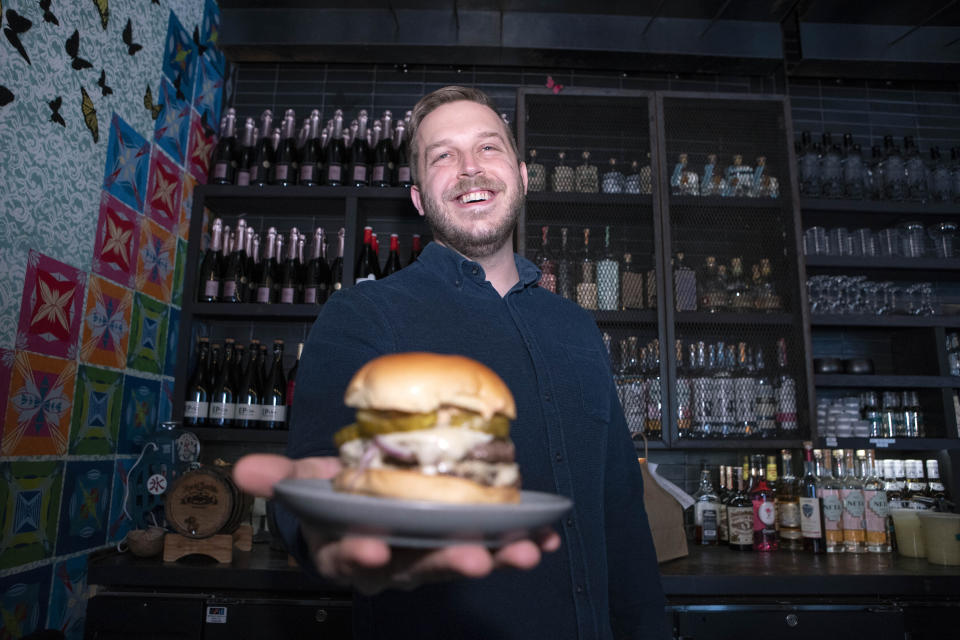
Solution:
(252, 311)
(823, 320)
(855, 262)
(216, 191)
(719, 202)
(880, 206)
(897, 444)
(704, 317)
(641, 316)
(571, 197)
(214, 434)
(738, 443)
(919, 382)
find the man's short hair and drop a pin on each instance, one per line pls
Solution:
(440, 97)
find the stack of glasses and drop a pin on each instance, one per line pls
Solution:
(908, 240)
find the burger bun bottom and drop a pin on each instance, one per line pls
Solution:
(412, 485)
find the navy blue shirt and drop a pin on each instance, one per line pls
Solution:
(570, 435)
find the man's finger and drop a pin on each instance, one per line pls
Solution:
(257, 473)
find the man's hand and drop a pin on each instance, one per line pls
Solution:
(369, 564)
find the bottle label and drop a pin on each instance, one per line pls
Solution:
(222, 410)
(832, 511)
(333, 173)
(740, 524)
(876, 511)
(307, 172)
(229, 288)
(273, 413)
(310, 295)
(286, 295)
(764, 514)
(709, 525)
(211, 288)
(263, 294)
(788, 514)
(193, 409)
(249, 412)
(220, 170)
(810, 523)
(403, 174)
(243, 178)
(360, 173)
(280, 171)
(378, 173)
(724, 531)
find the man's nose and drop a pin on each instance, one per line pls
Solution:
(470, 164)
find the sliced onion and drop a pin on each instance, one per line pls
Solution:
(394, 451)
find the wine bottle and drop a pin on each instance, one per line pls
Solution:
(608, 278)
(414, 249)
(382, 175)
(311, 157)
(209, 276)
(393, 259)
(336, 269)
(565, 280)
(292, 385)
(267, 272)
(544, 261)
(222, 401)
(367, 264)
(288, 271)
(404, 178)
(264, 154)
(245, 152)
(587, 287)
(359, 152)
(233, 272)
(334, 154)
(273, 393)
(285, 167)
(301, 267)
(248, 391)
(224, 156)
(197, 405)
(316, 281)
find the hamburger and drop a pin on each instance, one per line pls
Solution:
(429, 427)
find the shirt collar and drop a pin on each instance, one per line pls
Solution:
(453, 267)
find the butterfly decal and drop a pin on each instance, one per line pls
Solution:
(208, 131)
(102, 82)
(154, 109)
(17, 25)
(73, 50)
(90, 115)
(176, 85)
(196, 40)
(6, 96)
(55, 116)
(103, 7)
(47, 14)
(556, 86)
(132, 47)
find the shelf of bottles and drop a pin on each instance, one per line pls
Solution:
(731, 234)
(590, 226)
(839, 501)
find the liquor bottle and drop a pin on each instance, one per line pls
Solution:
(287, 279)
(197, 405)
(830, 485)
(544, 261)
(210, 268)
(738, 179)
(213, 366)
(368, 266)
(393, 258)
(744, 394)
(724, 411)
(738, 293)
(723, 532)
(264, 154)
(706, 511)
(587, 287)
(222, 399)
(682, 181)
(809, 500)
(772, 480)
(311, 159)
(684, 285)
(831, 170)
(764, 509)
(631, 183)
(912, 416)
(273, 392)
(786, 393)
(903, 492)
(414, 249)
(404, 175)
(939, 177)
(712, 182)
(562, 178)
(916, 492)
(876, 509)
(316, 281)
(894, 172)
(586, 175)
(334, 154)
(935, 488)
(702, 397)
(565, 281)
(740, 515)
(336, 268)
(853, 168)
(224, 160)
(653, 426)
(810, 180)
(383, 154)
(608, 277)
(765, 293)
(248, 390)
(713, 294)
(631, 284)
(359, 169)
(851, 492)
(246, 151)
(632, 386)
(536, 173)
(234, 278)
(285, 166)
(916, 171)
(684, 395)
(613, 180)
(788, 506)
(766, 402)
(292, 386)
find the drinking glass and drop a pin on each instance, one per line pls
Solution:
(914, 240)
(889, 242)
(839, 243)
(815, 241)
(863, 243)
(942, 235)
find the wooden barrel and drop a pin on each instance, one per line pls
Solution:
(204, 502)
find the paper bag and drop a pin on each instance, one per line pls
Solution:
(666, 518)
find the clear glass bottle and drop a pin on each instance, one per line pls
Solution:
(586, 175)
(700, 414)
(566, 284)
(738, 179)
(608, 277)
(545, 262)
(653, 425)
(831, 169)
(684, 394)
(739, 296)
(613, 180)
(706, 511)
(766, 399)
(632, 385)
(810, 180)
(562, 180)
(876, 509)
(894, 175)
(745, 393)
(587, 286)
(853, 167)
(740, 515)
(939, 177)
(683, 182)
(711, 184)
(829, 490)
(684, 285)
(851, 492)
(786, 392)
(632, 181)
(631, 284)
(724, 412)
(788, 505)
(811, 507)
(935, 487)
(536, 173)
(916, 171)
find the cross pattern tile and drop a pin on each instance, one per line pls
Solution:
(164, 191)
(30, 495)
(155, 260)
(148, 335)
(127, 166)
(172, 129)
(106, 324)
(96, 411)
(68, 597)
(84, 507)
(116, 242)
(37, 419)
(138, 417)
(50, 307)
(200, 150)
(179, 57)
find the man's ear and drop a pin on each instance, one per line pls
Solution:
(415, 198)
(523, 176)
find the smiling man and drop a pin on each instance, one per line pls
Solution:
(468, 293)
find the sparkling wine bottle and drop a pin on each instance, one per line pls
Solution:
(383, 159)
(224, 163)
(285, 167)
(209, 275)
(264, 153)
(404, 176)
(273, 392)
(335, 153)
(359, 168)
(197, 405)
(336, 269)
(289, 272)
(248, 390)
(316, 281)
(246, 151)
(311, 158)
(222, 400)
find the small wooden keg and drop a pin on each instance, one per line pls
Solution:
(204, 502)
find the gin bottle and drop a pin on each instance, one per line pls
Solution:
(585, 175)
(829, 490)
(608, 278)
(853, 167)
(587, 287)
(536, 173)
(613, 180)
(851, 493)
(810, 180)
(631, 284)
(876, 509)
(706, 511)
(684, 285)
(831, 169)
(632, 182)
(562, 178)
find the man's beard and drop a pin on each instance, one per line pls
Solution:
(459, 235)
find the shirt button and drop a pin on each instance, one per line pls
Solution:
(476, 271)
(569, 522)
(547, 396)
(558, 457)
(579, 588)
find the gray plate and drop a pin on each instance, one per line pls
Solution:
(418, 523)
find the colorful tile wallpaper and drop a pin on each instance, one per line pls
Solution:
(106, 143)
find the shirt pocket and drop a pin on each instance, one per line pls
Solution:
(592, 374)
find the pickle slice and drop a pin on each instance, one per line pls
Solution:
(348, 433)
(373, 423)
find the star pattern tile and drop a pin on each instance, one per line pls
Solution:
(50, 307)
(172, 129)
(38, 407)
(85, 505)
(96, 411)
(128, 164)
(156, 260)
(164, 191)
(116, 242)
(106, 324)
